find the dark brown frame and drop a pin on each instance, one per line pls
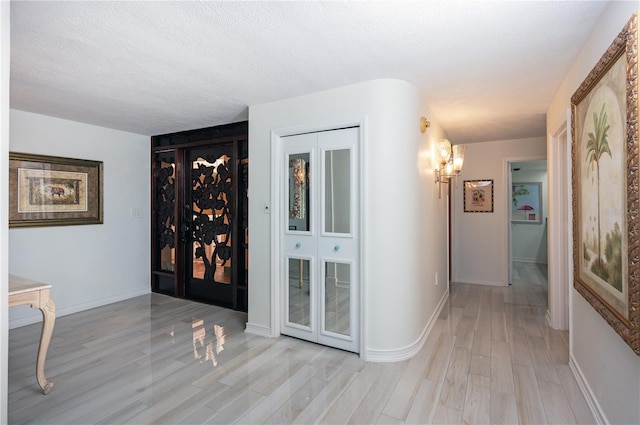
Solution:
(625, 323)
(469, 208)
(94, 191)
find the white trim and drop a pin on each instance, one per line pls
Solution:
(398, 355)
(558, 243)
(480, 281)
(547, 316)
(275, 263)
(23, 321)
(362, 222)
(259, 330)
(5, 60)
(590, 398)
(526, 260)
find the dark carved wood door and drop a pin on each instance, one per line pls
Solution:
(200, 238)
(208, 224)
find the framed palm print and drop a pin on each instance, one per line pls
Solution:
(606, 220)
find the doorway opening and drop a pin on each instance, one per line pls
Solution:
(528, 219)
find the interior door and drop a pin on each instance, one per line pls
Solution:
(209, 209)
(199, 226)
(319, 238)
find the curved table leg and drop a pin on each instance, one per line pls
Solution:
(48, 309)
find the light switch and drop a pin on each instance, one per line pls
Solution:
(136, 212)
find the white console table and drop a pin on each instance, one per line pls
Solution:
(38, 295)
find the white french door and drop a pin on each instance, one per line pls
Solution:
(319, 238)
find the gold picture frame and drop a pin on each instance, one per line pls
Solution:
(478, 196)
(606, 221)
(54, 191)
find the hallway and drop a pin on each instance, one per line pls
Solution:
(490, 358)
(506, 364)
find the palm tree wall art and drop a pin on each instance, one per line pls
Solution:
(605, 175)
(597, 146)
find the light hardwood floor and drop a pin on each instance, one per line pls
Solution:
(490, 358)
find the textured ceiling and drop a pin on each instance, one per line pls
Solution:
(488, 70)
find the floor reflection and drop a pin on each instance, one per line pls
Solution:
(202, 343)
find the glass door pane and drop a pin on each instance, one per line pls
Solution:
(337, 298)
(337, 191)
(165, 207)
(299, 292)
(211, 218)
(299, 181)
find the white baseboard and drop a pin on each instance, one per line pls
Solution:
(383, 356)
(35, 318)
(527, 260)
(479, 281)
(591, 399)
(259, 330)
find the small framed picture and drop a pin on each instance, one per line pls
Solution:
(526, 203)
(478, 196)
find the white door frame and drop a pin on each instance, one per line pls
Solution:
(276, 222)
(559, 245)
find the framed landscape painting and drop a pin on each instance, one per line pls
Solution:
(54, 191)
(606, 232)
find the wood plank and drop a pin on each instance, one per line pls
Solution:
(423, 408)
(576, 400)
(321, 403)
(528, 399)
(446, 415)
(350, 399)
(480, 365)
(267, 407)
(504, 410)
(374, 402)
(501, 368)
(455, 383)
(556, 405)
(401, 398)
(477, 403)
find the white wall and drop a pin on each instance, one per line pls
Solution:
(87, 265)
(604, 363)
(479, 240)
(5, 36)
(529, 240)
(404, 234)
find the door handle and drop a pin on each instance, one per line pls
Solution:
(184, 230)
(298, 245)
(336, 248)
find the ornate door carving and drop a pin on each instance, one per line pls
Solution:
(199, 234)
